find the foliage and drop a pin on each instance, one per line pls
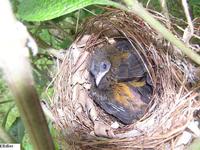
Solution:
(40, 10)
(195, 4)
(8, 112)
(17, 130)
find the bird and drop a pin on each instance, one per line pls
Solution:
(121, 85)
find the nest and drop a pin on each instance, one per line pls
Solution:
(173, 102)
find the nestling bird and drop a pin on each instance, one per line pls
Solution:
(121, 84)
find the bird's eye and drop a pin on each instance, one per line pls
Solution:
(104, 66)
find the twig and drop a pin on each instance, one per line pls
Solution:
(188, 33)
(147, 4)
(165, 11)
(89, 11)
(180, 28)
(135, 7)
(17, 70)
(77, 21)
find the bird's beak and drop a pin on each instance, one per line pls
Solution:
(99, 77)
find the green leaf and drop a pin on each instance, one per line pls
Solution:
(195, 145)
(6, 116)
(17, 130)
(40, 10)
(194, 2)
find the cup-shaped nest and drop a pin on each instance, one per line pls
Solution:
(85, 125)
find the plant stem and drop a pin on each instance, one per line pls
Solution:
(17, 70)
(135, 7)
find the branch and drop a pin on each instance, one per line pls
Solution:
(165, 11)
(13, 60)
(138, 9)
(189, 31)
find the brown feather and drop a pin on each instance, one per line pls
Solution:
(124, 91)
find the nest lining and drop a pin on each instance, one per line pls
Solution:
(86, 126)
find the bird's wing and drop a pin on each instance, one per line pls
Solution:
(121, 102)
(124, 94)
(130, 67)
(125, 115)
(144, 89)
(127, 62)
(125, 103)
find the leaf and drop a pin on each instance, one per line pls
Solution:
(17, 130)
(194, 2)
(40, 10)
(195, 145)
(6, 116)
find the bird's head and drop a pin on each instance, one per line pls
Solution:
(100, 68)
(111, 63)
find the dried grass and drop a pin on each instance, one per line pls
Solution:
(85, 126)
